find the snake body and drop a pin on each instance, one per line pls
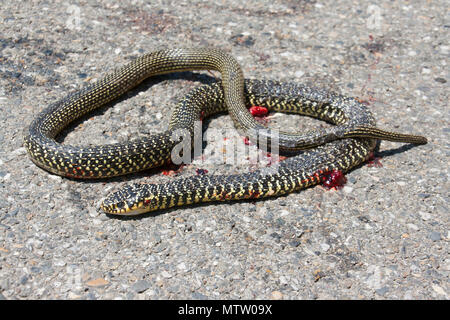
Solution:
(352, 120)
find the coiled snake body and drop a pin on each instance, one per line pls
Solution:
(347, 144)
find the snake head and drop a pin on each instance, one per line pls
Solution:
(132, 199)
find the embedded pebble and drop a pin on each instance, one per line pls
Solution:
(99, 282)
(382, 291)
(140, 286)
(425, 215)
(435, 236)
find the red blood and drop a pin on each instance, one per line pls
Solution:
(333, 179)
(201, 172)
(258, 111)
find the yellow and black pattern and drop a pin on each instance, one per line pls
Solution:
(352, 120)
(295, 173)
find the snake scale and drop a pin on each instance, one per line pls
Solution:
(340, 147)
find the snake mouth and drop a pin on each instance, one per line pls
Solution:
(115, 210)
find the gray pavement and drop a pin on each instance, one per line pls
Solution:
(385, 235)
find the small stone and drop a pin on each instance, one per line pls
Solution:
(268, 216)
(324, 246)
(182, 266)
(347, 189)
(295, 243)
(93, 212)
(299, 74)
(91, 296)
(20, 151)
(435, 236)
(243, 39)
(276, 236)
(54, 177)
(140, 286)
(59, 263)
(284, 213)
(444, 49)
(424, 195)
(425, 215)
(35, 269)
(199, 296)
(277, 295)
(348, 283)
(283, 280)
(73, 296)
(439, 290)
(99, 282)
(382, 291)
